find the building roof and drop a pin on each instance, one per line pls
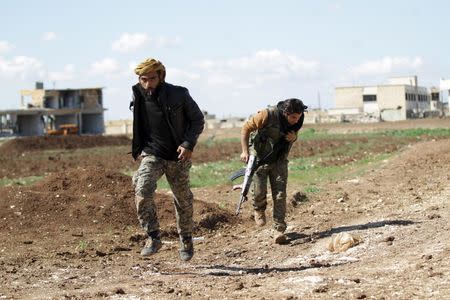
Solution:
(51, 111)
(79, 89)
(365, 86)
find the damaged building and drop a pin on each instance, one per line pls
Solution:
(53, 111)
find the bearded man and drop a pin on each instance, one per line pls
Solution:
(166, 125)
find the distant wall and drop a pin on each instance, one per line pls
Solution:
(392, 102)
(119, 127)
(392, 115)
(349, 97)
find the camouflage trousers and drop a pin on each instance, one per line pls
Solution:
(277, 172)
(177, 173)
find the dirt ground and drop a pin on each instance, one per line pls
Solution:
(74, 234)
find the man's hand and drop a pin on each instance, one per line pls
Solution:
(184, 154)
(244, 146)
(244, 156)
(291, 136)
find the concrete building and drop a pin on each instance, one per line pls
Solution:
(444, 95)
(42, 110)
(400, 99)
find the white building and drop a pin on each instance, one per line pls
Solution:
(444, 88)
(401, 98)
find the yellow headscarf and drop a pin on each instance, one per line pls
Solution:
(151, 65)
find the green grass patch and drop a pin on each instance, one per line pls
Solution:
(306, 172)
(20, 181)
(209, 174)
(312, 134)
(214, 173)
(417, 132)
(310, 172)
(312, 189)
(82, 245)
(211, 142)
(128, 172)
(206, 174)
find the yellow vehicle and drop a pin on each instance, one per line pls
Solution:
(64, 129)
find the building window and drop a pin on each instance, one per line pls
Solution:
(435, 96)
(369, 98)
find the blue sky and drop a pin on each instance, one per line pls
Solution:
(235, 57)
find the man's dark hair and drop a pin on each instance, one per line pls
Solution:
(293, 106)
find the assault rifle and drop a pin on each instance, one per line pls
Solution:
(248, 175)
(252, 165)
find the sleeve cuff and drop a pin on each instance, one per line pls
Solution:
(187, 145)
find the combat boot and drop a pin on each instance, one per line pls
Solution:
(260, 218)
(280, 237)
(153, 244)
(186, 248)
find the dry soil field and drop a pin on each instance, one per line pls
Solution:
(74, 234)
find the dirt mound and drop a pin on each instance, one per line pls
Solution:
(37, 143)
(222, 151)
(93, 199)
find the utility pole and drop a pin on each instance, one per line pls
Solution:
(318, 100)
(416, 95)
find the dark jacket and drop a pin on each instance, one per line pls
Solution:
(183, 115)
